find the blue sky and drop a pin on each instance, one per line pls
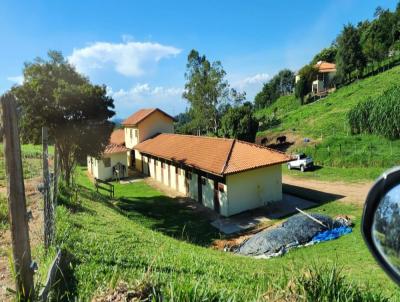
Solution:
(138, 49)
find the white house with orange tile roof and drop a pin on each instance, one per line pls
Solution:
(227, 175)
(114, 161)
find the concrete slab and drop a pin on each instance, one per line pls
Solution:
(129, 181)
(247, 220)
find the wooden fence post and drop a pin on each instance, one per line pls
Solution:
(47, 205)
(16, 200)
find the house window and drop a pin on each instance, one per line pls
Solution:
(131, 133)
(107, 162)
(136, 133)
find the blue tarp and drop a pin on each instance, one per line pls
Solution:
(331, 234)
(298, 230)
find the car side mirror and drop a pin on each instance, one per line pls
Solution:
(381, 222)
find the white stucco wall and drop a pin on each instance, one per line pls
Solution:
(193, 189)
(153, 124)
(158, 170)
(98, 170)
(223, 200)
(166, 176)
(208, 193)
(151, 167)
(181, 181)
(130, 139)
(253, 189)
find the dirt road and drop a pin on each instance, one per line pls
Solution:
(347, 192)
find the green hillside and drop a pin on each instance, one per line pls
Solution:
(325, 123)
(142, 234)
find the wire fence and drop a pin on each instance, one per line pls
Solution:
(366, 155)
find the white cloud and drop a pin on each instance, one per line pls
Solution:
(129, 58)
(17, 79)
(145, 90)
(258, 78)
(144, 95)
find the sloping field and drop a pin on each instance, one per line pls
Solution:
(324, 122)
(143, 234)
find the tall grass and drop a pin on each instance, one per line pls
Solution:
(380, 115)
(3, 213)
(324, 284)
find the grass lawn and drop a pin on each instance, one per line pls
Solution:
(337, 174)
(143, 233)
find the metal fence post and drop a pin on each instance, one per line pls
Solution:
(16, 200)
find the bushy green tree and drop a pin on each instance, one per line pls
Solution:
(379, 36)
(307, 75)
(350, 57)
(239, 122)
(205, 90)
(327, 54)
(281, 84)
(76, 113)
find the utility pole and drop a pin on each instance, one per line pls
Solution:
(16, 200)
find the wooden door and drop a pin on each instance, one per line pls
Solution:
(199, 189)
(216, 197)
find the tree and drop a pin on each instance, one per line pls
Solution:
(239, 122)
(307, 75)
(327, 54)
(379, 36)
(206, 89)
(350, 57)
(281, 84)
(76, 113)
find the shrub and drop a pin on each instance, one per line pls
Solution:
(322, 284)
(379, 115)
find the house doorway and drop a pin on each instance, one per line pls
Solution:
(199, 189)
(133, 161)
(216, 197)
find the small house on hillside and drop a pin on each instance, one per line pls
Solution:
(113, 162)
(227, 175)
(325, 76)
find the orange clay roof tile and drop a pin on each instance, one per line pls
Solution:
(323, 66)
(114, 148)
(118, 137)
(140, 115)
(117, 142)
(215, 155)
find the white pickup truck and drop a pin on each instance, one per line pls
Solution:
(302, 162)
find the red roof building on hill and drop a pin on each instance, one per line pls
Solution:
(227, 175)
(220, 156)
